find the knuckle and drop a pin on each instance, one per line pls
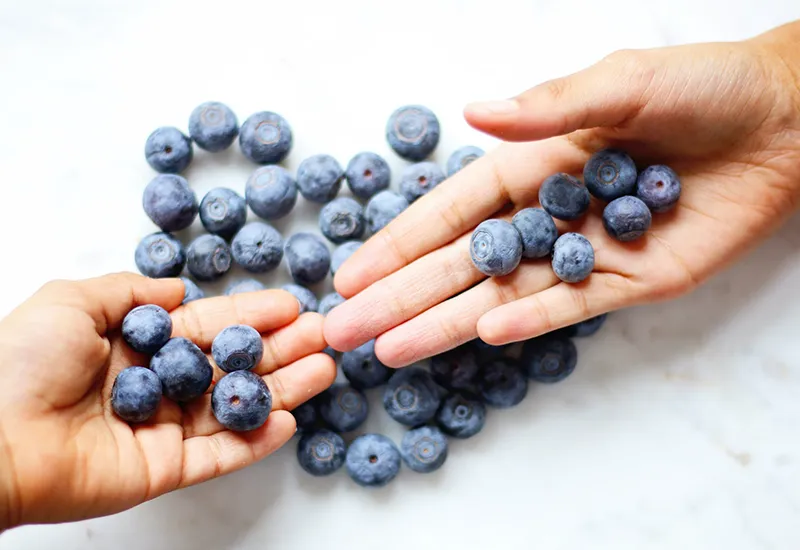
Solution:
(581, 305)
(541, 312)
(557, 88)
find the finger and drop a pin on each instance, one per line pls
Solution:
(509, 173)
(109, 298)
(401, 296)
(289, 386)
(454, 322)
(224, 452)
(201, 320)
(293, 342)
(609, 93)
(625, 274)
(286, 345)
(554, 308)
(437, 276)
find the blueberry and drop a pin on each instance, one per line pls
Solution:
(610, 174)
(241, 401)
(271, 192)
(306, 298)
(502, 383)
(462, 157)
(564, 197)
(461, 417)
(308, 258)
(306, 416)
(238, 347)
(244, 285)
(168, 151)
(363, 369)
(343, 407)
(321, 453)
(383, 208)
(136, 394)
(208, 257)
(372, 460)
(549, 358)
(424, 449)
(456, 369)
(147, 328)
(488, 351)
(191, 291)
(213, 126)
(418, 179)
(330, 352)
(330, 301)
(341, 220)
(573, 257)
(265, 138)
(169, 202)
(257, 247)
(413, 132)
(183, 369)
(319, 178)
(160, 255)
(659, 187)
(495, 248)
(342, 253)
(587, 327)
(538, 232)
(367, 174)
(411, 397)
(626, 218)
(223, 212)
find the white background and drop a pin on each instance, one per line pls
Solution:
(681, 426)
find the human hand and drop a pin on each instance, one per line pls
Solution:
(725, 116)
(64, 455)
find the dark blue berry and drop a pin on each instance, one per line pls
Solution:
(424, 449)
(321, 453)
(136, 394)
(241, 401)
(564, 197)
(147, 328)
(610, 174)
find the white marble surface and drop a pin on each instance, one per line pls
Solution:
(681, 426)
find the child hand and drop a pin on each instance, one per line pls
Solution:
(726, 117)
(64, 455)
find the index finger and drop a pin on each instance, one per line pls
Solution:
(201, 320)
(455, 206)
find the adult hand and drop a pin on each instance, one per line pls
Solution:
(725, 116)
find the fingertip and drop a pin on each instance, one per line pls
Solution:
(393, 355)
(491, 329)
(337, 330)
(346, 280)
(279, 428)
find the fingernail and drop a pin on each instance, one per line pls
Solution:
(503, 107)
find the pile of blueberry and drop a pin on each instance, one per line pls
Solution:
(497, 247)
(180, 371)
(447, 399)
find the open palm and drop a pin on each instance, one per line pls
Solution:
(726, 117)
(66, 456)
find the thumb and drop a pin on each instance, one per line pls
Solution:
(110, 297)
(608, 93)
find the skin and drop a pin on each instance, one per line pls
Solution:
(727, 120)
(725, 116)
(65, 456)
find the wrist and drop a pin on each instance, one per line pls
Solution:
(8, 515)
(782, 44)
